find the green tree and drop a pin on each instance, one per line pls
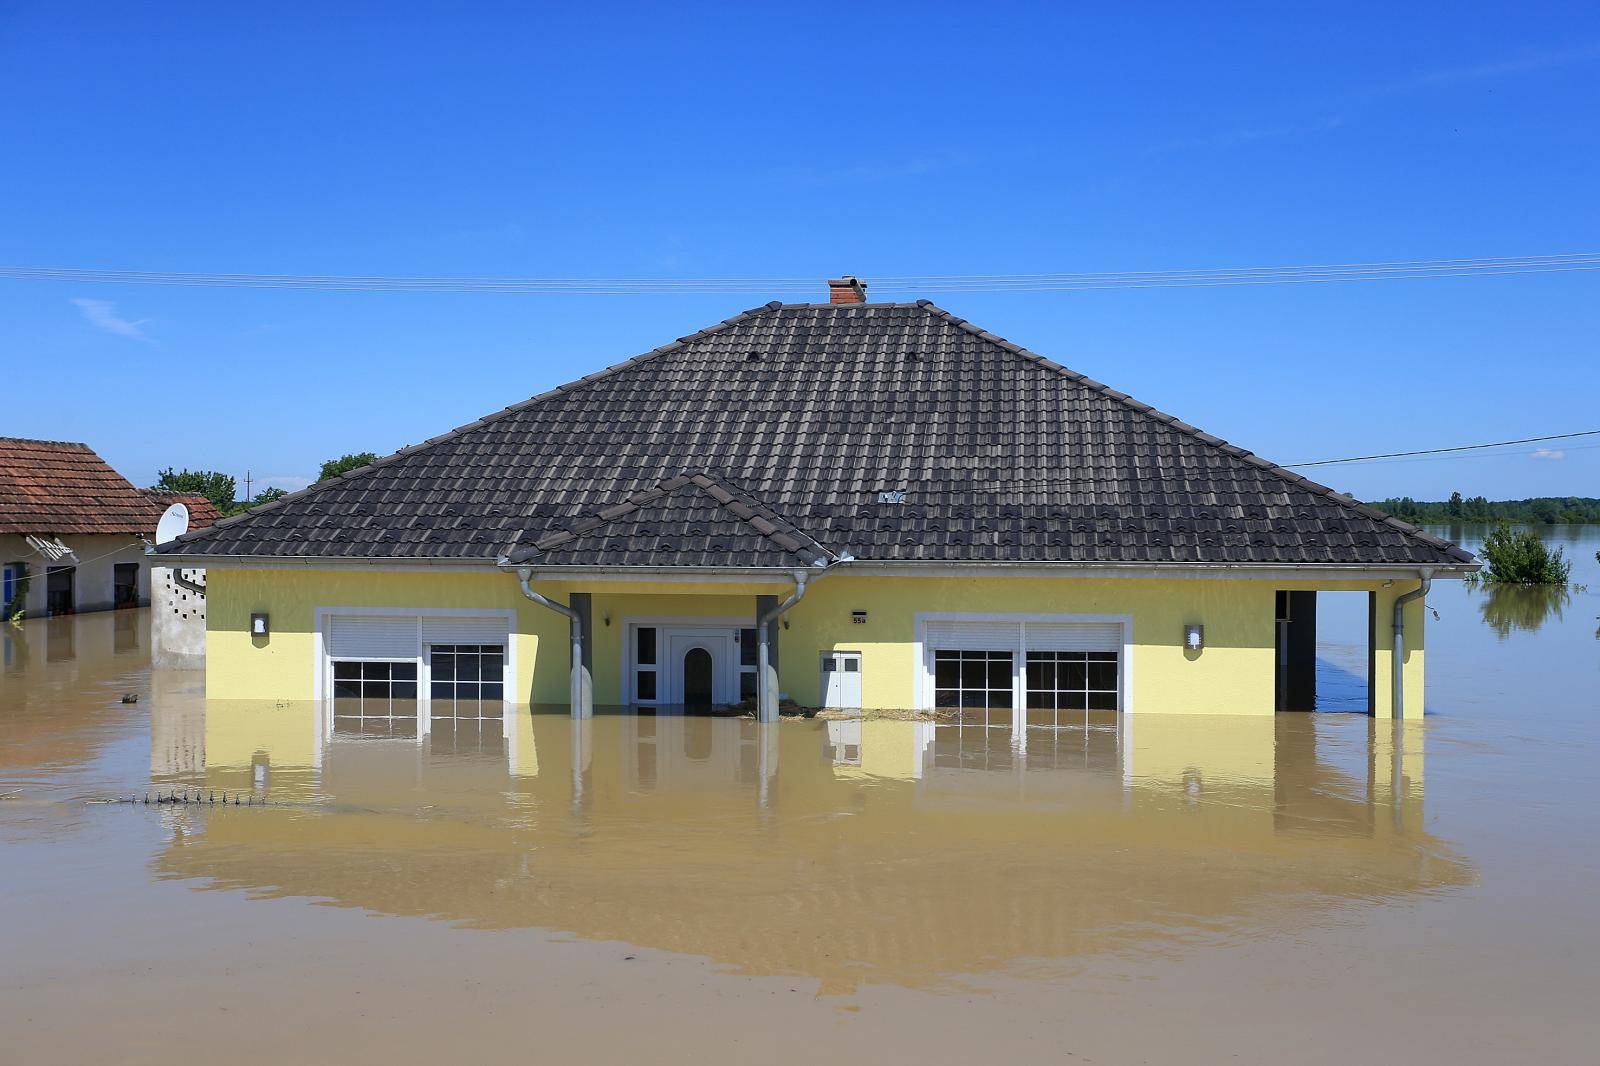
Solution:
(344, 464)
(268, 495)
(1456, 506)
(1519, 557)
(216, 487)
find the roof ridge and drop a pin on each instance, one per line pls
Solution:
(52, 443)
(731, 498)
(1209, 439)
(522, 405)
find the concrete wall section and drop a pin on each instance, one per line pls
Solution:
(94, 573)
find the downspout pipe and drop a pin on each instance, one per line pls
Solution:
(1397, 667)
(766, 683)
(582, 691)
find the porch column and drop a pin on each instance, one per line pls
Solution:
(1297, 651)
(767, 661)
(583, 662)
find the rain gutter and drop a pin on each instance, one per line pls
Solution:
(1418, 593)
(582, 687)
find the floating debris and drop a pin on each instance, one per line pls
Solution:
(130, 697)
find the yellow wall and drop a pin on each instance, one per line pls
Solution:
(1233, 674)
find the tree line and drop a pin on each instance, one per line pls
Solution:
(221, 488)
(1539, 510)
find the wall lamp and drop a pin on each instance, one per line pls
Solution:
(1194, 637)
(258, 625)
(605, 616)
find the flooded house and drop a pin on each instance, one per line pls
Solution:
(847, 504)
(73, 530)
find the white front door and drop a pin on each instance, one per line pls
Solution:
(841, 679)
(702, 666)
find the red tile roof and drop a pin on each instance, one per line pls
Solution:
(49, 486)
(202, 512)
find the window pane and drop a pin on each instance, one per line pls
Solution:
(404, 690)
(467, 667)
(1000, 698)
(492, 667)
(1102, 701)
(645, 685)
(443, 664)
(946, 697)
(974, 672)
(647, 646)
(749, 647)
(403, 671)
(442, 690)
(852, 665)
(375, 689)
(946, 671)
(343, 671)
(1000, 671)
(747, 684)
(1103, 675)
(1074, 674)
(344, 688)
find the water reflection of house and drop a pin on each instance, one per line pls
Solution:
(72, 530)
(845, 857)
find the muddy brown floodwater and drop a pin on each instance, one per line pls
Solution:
(1312, 888)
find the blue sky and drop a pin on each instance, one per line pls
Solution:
(757, 140)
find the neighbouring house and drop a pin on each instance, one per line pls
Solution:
(849, 504)
(72, 530)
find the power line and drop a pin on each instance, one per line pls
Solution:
(1056, 282)
(1441, 451)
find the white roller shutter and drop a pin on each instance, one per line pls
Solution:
(372, 637)
(463, 630)
(973, 636)
(1073, 636)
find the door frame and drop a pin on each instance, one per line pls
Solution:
(822, 670)
(669, 666)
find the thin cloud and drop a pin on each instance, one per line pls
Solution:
(1549, 453)
(1353, 99)
(286, 482)
(1526, 64)
(102, 314)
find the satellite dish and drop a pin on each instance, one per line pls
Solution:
(174, 523)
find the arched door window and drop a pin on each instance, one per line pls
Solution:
(697, 673)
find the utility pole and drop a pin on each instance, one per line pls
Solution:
(247, 496)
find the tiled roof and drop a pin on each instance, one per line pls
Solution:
(814, 410)
(202, 512)
(693, 519)
(49, 486)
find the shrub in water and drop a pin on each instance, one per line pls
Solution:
(1518, 557)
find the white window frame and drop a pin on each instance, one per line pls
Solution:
(668, 622)
(322, 663)
(922, 659)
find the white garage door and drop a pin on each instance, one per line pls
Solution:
(996, 669)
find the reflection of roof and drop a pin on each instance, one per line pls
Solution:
(202, 512)
(59, 487)
(893, 432)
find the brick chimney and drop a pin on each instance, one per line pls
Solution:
(847, 290)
